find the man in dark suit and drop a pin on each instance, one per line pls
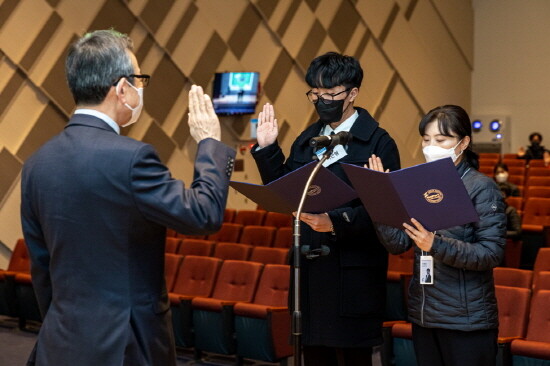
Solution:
(95, 207)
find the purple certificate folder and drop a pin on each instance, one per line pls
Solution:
(326, 192)
(432, 193)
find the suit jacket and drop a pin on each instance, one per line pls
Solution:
(95, 207)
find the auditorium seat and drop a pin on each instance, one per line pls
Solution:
(512, 253)
(542, 263)
(513, 310)
(488, 162)
(513, 316)
(19, 263)
(171, 233)
(229, 232)
(490, 156)
(400, 267)
(542, 282)
(258, 235)
(537, 163)
(403, 350)
(235, 251)
(537, 172)
(249, 217)
(517, 170)
(538, 182)
(487, 170)
(518, 180)
(283, 238)
(278, 219)
(229, 214)
(172, 264)
(172, 245)
(267, 255)
(196, 277)
(213, 317)
(536, 191)
(262, 327)
(196, 247)
(536, 345)
(516, 202)
(27, 304)
(513, 277)
(536, 214)
(513, 161)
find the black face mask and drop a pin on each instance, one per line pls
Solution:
(329, 113)
(535, 143)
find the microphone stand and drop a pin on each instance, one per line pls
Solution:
(297, 313)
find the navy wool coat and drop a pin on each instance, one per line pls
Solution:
(342, 294)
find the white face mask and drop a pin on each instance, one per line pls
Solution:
(136, 111)
(433, 153)
(501, 177)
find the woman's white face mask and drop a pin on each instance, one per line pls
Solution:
(433, 153)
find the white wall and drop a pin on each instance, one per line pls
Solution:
(512, 65)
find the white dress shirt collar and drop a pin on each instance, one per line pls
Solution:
(102, 116)
(344, 126)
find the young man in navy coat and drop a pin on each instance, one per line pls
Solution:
(343, 290)
(95, 207)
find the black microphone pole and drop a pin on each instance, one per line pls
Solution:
(297, 313)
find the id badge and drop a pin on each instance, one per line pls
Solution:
(426, 270)
(337, 153)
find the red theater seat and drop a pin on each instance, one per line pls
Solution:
(278, 219)
(263, 327)
(258, 235)
(235, 251)
(213, 317)
(513, 277)
(229, 232)
(249, 217)
(196, 247)
(269, 255)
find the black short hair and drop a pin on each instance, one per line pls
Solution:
(535, 134)
(334, 69)
(500, 165)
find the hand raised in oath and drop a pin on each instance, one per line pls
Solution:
(203, 121)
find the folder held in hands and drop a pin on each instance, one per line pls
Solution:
(432, 193)
(283, 195)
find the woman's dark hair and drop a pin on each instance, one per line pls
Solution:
(500, 165)
(453, 121)
(333, 69)
(535, 134)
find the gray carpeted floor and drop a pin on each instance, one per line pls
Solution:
(16, 345)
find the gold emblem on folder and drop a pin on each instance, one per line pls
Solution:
(313, 190)
(433, 196)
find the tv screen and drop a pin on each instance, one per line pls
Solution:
(235, 92)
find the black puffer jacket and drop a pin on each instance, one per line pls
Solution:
(463, 294)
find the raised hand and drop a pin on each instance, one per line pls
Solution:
(267, 130)
(375, 163)
(203, 121)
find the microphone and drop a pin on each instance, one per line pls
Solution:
(341, 138)
(314, 253)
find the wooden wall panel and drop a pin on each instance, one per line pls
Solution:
(181, 42)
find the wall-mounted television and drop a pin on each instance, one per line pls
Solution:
(235, 92)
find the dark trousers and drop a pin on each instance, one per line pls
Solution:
(336, 356)
(444, 347)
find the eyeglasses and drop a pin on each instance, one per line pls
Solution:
(326, 98)
(143, 78)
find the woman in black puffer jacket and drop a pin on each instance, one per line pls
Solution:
(455, 319)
